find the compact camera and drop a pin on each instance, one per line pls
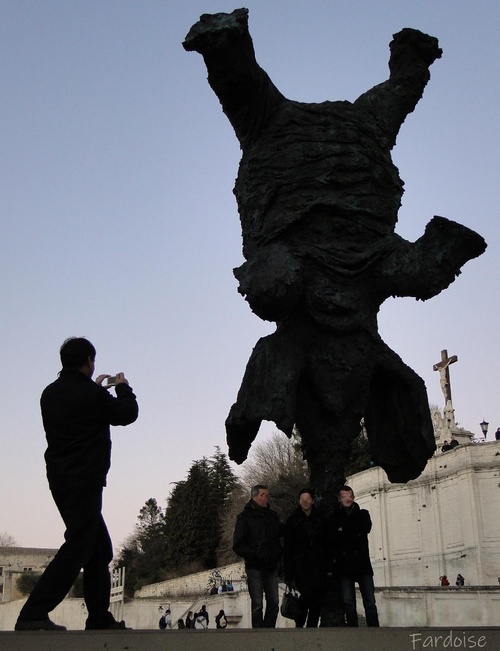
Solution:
(111, 381)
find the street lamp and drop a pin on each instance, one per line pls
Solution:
(484, 427)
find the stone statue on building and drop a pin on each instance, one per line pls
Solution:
(318, 197)
(444, 423)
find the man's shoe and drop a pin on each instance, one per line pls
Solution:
(37, 625)
(118, 625)
(114, 625)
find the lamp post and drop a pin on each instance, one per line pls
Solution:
(484, 427)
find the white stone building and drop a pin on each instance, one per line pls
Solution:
(444, 522)
(16, 560)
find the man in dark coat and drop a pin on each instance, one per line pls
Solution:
(77, 413)
(257, 539)
(306, 557)
(350, 526)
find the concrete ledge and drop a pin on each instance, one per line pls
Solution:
(320, 639)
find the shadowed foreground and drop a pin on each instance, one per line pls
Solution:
(361, 639)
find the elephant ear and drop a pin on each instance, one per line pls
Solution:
(268, 392)
(398, 420)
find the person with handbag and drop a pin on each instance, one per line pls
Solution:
(305, 559)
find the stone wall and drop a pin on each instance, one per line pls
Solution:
(398, 607)
(195, 584)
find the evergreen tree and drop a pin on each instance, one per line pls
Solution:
(195, 513)
(192, 521)
(143, 553)
(185, 538)
(223, 478)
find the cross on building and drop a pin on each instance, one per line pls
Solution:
(444, 371)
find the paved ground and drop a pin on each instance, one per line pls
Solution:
(333, 639)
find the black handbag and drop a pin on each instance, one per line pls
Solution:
(290, 604)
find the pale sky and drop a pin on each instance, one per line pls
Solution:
(119, 222)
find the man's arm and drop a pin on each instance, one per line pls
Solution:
(240, 540)
(122, 410)
(412, 53)
(362, 524)
(245, 91)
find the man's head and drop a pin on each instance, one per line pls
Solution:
(346, 496)
(78, 353)
(260, 495)
(306, 499)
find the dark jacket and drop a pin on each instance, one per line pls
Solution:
(306, 545)
(76, 414)
(257, 537)
(349, 529)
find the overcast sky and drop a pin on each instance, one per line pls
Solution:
(119, 222)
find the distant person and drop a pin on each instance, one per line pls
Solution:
(497, 434)
(453, 442)
(180, 623)
(76, 414)
(201, 618)
(222, 588)
(306, 542)
(350, 526)
(220, 620)
(230, 586)
(460, 580)
(256, 539)
(444, 580)
(445, 447)
(190, 620)
(165, 620)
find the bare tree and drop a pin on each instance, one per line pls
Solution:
(277, 463)
(6, 540)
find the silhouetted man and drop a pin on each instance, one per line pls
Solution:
(77, 413)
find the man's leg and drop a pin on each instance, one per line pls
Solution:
(81, 512)
(97, 581)
(367, 589)
(314, 613)
(332, 609)
(349, 596)
(255, 590)
(272, 598)
(303, 608)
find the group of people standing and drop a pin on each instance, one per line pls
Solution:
(323, 555)
(202, 620)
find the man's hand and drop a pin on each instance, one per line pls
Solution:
(121, 379)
